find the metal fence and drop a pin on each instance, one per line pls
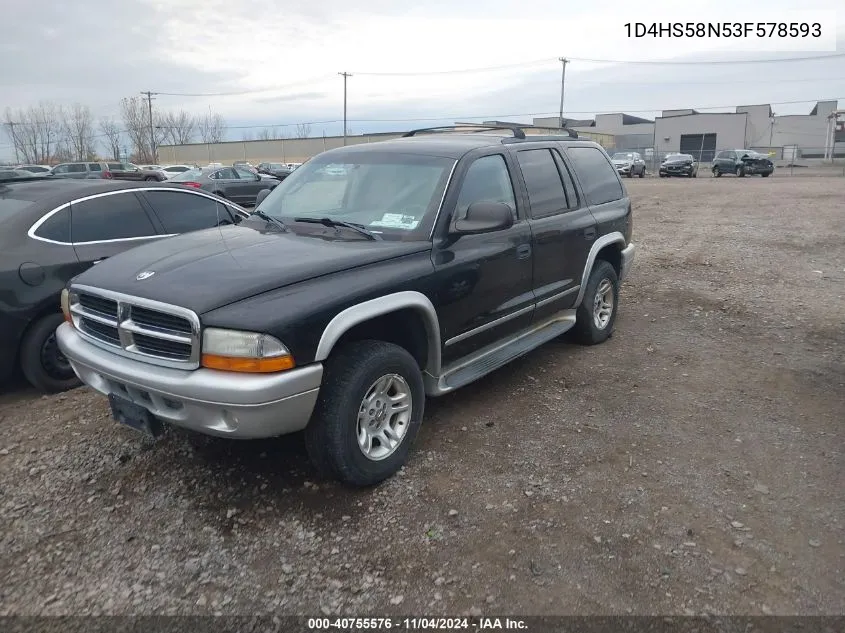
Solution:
(789, 160)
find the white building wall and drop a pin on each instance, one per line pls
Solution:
(729, 129)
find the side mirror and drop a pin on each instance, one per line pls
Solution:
(485, 217)
(261, 196)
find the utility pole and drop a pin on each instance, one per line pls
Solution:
(149, 96)
(14, 138)
(563, 62)
(345, 76)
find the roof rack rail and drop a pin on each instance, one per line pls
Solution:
(544, 137)
(517, 131)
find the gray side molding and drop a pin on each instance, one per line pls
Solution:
(383, 305)
(604, 240)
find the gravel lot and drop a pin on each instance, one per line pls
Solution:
(692, 464)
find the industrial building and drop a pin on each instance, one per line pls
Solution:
(818, 134)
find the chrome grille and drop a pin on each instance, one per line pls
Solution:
(152, 331)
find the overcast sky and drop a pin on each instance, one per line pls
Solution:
(289, 53)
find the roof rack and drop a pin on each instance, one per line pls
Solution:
(517, 131)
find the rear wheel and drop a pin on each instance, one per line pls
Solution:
(42, 362)
(596, 316)
(368, 413)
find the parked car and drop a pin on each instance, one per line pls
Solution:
(277, 170)
(173, 170)
(35, 169)
(235, 184)
(340, 304)
(128, 171)
(6, 174)
(83, 170)
(679, 165)
(54, 228)
(629, 164)
(742, 162)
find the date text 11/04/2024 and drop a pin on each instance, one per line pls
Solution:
(724, 29)
(416, 624)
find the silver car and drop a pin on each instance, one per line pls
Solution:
(629, 164)
(237, 184)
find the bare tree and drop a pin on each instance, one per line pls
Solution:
(110, 129)
(78, 128)
(211, 127)
(303, 130)
(136, 122)
(35, 132)
(267, 134)
(178, 128)
(246, 135)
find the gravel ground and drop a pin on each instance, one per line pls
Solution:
(692, 464)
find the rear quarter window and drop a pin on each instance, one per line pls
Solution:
(596, 174)
(56, 228)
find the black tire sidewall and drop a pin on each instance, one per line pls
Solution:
(587, 331)
(30, 356)
(332, 432)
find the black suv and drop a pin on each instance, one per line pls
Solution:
(742, 162)
(373, 276)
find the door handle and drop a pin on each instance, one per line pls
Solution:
(97, 261)
(523, 251)
(590, 233)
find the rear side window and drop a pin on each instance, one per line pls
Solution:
(114, 217)
(542, 179)
(56, 227)
(94, 167)
(184, 212)
(568, 183)
(598, 177)
(76, 168)
(115, 167)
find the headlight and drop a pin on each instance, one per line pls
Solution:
(249, 352)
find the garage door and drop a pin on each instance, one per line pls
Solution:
(702, 146)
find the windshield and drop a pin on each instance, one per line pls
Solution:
(390, 193)
(623, 156)
(187, 176)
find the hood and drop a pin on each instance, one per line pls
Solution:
(677, 161)
(208, 269)
(622, 161)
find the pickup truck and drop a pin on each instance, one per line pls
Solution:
(374, 276)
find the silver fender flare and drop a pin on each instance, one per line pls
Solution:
(604, 240)
(367, 310)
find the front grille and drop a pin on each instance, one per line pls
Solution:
(151, 331)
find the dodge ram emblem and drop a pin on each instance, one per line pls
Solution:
(145, 275)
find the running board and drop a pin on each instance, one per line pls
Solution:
(478, 364)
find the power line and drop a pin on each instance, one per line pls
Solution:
(606, 61)
(237, 93)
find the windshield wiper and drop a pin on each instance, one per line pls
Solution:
(338, 223)
(270, 219)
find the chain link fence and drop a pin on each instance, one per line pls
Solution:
(788, 160)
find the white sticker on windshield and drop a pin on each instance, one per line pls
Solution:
(396, 221)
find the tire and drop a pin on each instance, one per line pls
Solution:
(631, 173)
(151, 179)
(765, 175)
(331, 437)
(642, 173)
(43, 365)
(740, 171)
(717, 173)
(602, 279)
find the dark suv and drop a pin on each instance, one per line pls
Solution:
(373, 276)
(742, 162)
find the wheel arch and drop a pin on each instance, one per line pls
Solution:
(370, 311)
(607, 247)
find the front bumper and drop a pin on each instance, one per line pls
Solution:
(627, 260)
(676, 171)
(623, 169)
(224, 404)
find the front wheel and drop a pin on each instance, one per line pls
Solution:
(765, 175)
(717, 173)
(642, 172)
(42, 362)
(596, 316)
(368, 413)
(740, 171)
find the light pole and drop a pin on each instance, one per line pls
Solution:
(345, 76)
